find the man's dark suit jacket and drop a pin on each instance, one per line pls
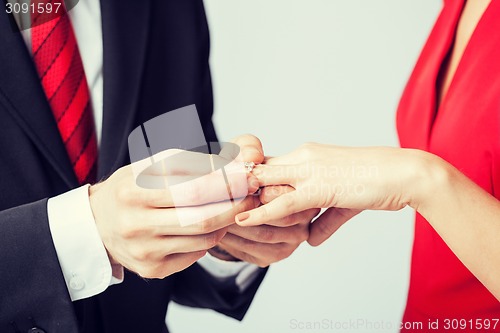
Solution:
(155, 60)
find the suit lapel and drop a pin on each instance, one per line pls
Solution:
(125, 33)
(23, 97)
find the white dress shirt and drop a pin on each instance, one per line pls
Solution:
(81, 253)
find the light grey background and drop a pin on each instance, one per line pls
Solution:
(331, 71)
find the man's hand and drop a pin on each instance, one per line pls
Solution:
(266, 244)
(141, 228)
(250, 150)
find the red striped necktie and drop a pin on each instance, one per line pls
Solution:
(59, 66)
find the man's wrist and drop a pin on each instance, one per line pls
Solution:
(83, 258)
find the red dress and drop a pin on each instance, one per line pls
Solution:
(465, 131)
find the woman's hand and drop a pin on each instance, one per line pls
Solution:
(349, 180)
(345, 180)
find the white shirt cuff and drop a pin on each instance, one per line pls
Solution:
(81, 253)
(245, 272)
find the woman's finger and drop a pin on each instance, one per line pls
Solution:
(280, 160)
(269, 193)
(275, 174)
(276, 210)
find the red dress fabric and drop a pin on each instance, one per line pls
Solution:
(465, 131)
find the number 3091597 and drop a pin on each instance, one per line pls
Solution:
(39, 8)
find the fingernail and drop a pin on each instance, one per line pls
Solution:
(254, 184)
(242, 217)
(253, 151)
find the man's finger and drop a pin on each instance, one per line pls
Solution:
(270, 234)
(157, 248)
(257, 250)
(250, 149)
(171, 264)
(238, 254)
(194, 190)
(185, 244)
(328, 223)
(180, 162)
(196, 220)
